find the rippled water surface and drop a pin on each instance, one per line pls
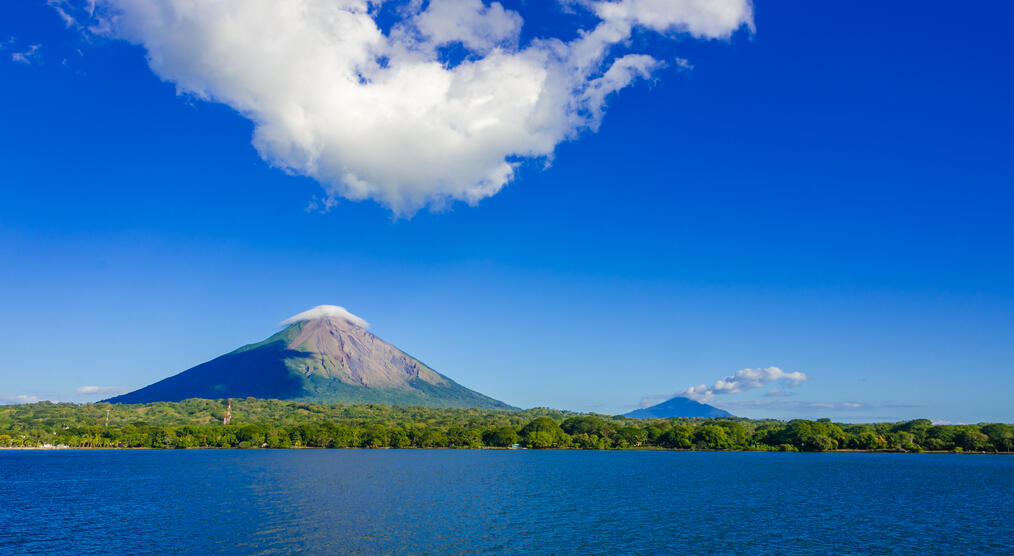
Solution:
(413, 501)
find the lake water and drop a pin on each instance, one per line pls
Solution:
(447, 501)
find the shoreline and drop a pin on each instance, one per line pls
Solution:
(198, 423)
(645, 449)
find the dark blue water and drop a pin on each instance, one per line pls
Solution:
(391, 501)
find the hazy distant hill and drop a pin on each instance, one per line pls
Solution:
(324, 355)
(678, 407)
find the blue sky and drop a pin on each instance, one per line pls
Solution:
(829, 194)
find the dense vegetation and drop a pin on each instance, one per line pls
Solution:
(279, 424)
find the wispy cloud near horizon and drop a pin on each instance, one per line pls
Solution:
(793, 404)
(851, 410)
(12, 400)
(100, 390)
(383, 114)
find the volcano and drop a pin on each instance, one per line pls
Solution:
(678, 407)
(323, 355)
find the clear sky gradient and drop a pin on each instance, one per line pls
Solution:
(831, 194)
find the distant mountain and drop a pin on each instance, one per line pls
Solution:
(678, 407)
(323, 355)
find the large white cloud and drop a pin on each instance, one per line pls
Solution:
(375, 115)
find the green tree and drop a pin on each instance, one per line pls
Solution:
(1001, 436)
(430, 438)
(830, 430)
(738, 436)
(712, 437)
(540, 439)
(941, 437)
(585, 424)
(903, 441)
(399, 438)
(821, 443)
(919, 428)
(631, 436)
(500, 437)
(374, 436)
(867, 441)
(588, 441)
(678, 437)
(972, 440)
(543, 432)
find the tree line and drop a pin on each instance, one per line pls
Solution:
(291, 424)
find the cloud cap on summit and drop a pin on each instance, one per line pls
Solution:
(326, 311)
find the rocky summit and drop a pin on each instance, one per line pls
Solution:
(326, 355)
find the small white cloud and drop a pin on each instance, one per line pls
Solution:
(321, 205)
(699, 18)
(326, 311)
(683, 64)
(59, 6)
(100, 390)
(27, 57)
